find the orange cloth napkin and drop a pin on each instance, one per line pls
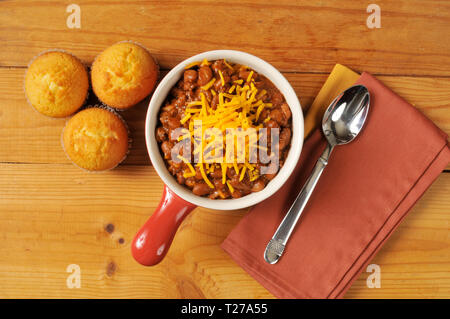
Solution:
(365, 191)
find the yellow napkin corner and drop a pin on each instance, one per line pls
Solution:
(339, 79)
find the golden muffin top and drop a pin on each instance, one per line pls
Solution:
(96, 139)
(56, 84)
(123, 75)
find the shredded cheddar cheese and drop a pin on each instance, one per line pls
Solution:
(221, 78)
(229, 66)
(250, 76)
(185, 119)
(187, 163)
(202, 171)
(238, 107)
(236, 168)
(241, 177)
(230, 187)
(208, 85)
(190, 65)
(224, 172)
(188, 174)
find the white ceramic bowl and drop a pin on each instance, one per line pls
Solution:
(259, 66)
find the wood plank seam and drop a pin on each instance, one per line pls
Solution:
(164, 70)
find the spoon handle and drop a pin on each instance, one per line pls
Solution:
(276, 245)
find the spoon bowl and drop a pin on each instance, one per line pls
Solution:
(346, 115)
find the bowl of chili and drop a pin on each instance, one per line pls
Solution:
(183, 96)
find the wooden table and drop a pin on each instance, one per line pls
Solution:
(53, 214)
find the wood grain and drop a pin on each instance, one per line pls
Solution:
(294, 36)
(54, 215)
(28, 137)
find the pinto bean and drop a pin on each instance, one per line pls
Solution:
(173, 170)
(215, 101)
(214, 194)
(172, 136)
(218, 65)
(201, 189)
(197, 95)
(231, 172)
(286, 110)
(168, 108)
(180, 178)
(273, 169)
(190, 76)
(226, 78)
(164, 117)
(173, 123)
(188, 86)
(161, 134)
(270, 176)
(166, 147)
(276, 97)
(239, 185)
(180, 101)
(190, 94)
(217, 173)
(243, 74)
(190, 182)
(264, 114)
(218, 183)
(176, 92)
(204, 75)
(236, 194)
(285, 138)
(258, 185)
(225, 193)
(218, 85)
(198, 175)
(176, 165)
(272, 124)
(207, 94)
(278, 116)
(259, 84)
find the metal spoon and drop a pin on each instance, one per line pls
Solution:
(341, 123)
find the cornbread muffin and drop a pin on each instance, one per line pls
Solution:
(123, 75)
(95, 139)
(56, 84)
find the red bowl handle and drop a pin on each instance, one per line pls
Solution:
(153, 240)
